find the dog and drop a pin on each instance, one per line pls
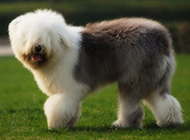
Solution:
(69, 63)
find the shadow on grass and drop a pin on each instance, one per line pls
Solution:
(150, 127)
(182, 128)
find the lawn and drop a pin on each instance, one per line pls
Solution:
(22, 116)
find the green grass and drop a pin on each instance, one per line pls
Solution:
(22, 116)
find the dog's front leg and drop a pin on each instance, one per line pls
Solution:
(75, 118)
(62, 110)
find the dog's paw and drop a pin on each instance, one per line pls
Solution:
(169, 124)
(124, 124)
(72, 122)
(120, 124)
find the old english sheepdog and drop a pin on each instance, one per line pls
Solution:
(69, 63)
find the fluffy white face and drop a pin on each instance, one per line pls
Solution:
(38, 37)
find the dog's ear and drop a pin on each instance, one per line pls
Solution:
(64, 39)
(65, 43)
(13, 29)
(14, 24)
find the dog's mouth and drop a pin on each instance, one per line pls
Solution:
(37, 57)
(36, 60)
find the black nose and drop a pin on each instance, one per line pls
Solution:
(38, 48)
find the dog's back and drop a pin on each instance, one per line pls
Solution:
(123, 50)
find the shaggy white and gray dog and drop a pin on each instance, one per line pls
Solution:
(69, 63)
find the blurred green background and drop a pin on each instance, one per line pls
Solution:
(174, 14)
(21, 102)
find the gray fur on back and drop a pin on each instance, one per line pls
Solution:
(130, 51)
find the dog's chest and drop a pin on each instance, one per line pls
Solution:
(60, 83)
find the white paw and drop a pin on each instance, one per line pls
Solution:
(169, 123)
(120, 124)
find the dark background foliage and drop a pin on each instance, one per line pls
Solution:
(174, 14)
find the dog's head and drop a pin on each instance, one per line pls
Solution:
(38, 38)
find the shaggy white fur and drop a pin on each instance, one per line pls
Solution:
(64, 100)
(166, 109)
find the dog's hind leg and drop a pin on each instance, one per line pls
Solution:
(164, 106)
(130, 113)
